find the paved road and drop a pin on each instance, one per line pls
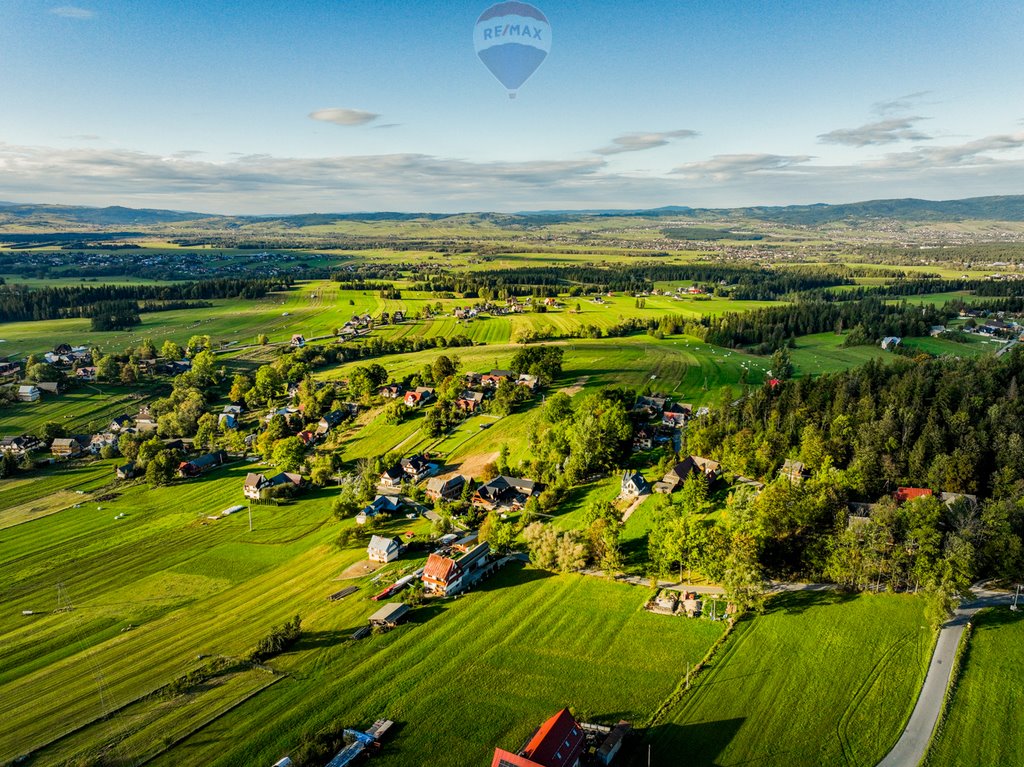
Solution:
(913, 743)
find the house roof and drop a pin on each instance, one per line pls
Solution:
(905, 494)
(558, 743)
(390, 613)
(439, 568)
(395, 472)
(439, 484)
(380, 543)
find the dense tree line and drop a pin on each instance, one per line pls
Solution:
(21, 303)
(953, 426)
(743, 282)
(772, 327)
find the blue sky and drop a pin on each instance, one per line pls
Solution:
(730, 102)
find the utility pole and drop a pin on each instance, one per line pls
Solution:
(1015, 596)
(250, 516)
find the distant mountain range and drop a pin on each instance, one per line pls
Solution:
(1005, 208)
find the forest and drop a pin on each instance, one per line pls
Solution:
(19, 303)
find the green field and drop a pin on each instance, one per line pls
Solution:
(687, 369)
(156, 590)
(825, 353)
(84, 409)
(821, 679)
(982, 722)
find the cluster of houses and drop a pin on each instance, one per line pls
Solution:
(658, 419)
(562, 741)
(479, 386)
(634, 484)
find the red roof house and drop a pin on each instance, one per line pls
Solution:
(441, 575)
(904, 494)
(558, 743)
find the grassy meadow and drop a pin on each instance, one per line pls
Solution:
(982, 720)
(155, 592)
(819, 679)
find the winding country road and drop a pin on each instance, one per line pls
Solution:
(913, 743)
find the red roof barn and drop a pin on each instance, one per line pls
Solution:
(558, 743)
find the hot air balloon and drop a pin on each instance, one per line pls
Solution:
(512, 39)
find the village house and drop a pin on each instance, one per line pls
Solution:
(495, 377)
(891, 342)
(674, 420)
(642, 440)
(28, 393)
(102, 440)
(392, 477)
(298, 341)
(444, 576)
(505, 492)
(693, 464)
(904, 494)
(145, 421)
(531, 382)
(120, 424)
(307, 437)
(794, 471)
(470, 401)
(65, 447)
(203, 463)
(383, 549)
(9, 370)
(633, 485)
(421, 395)
(391, 391)
(559, 742)
(416, 467)
(445, 488)
(651, 406)
(330, 421)
(86, 374)
(382, 504)
(257, 486)
(50, 387)
(19, 445)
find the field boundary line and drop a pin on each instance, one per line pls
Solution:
(679, 693)
(273, 680)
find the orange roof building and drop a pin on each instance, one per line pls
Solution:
(441, 575)
(558, 743)
(904, 494)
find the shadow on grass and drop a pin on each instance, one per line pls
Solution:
(797, 602)
(664, 745)
(511, 575)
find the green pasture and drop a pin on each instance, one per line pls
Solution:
(982, 722)
(155, 592)
(85, 409)
(820, 679)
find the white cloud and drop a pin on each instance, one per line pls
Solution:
(638, 142)
(189, 180)
(724, 167)
(888, 131)
(971, 153)
(899, 104)
(72, 12)
(341, 116)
